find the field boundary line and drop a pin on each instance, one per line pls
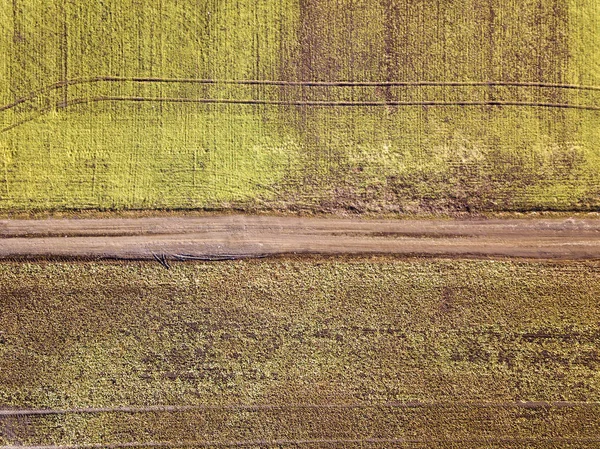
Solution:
(296, 442)
(260, 407)
(334, 103)
(252, 102)
(98, 79)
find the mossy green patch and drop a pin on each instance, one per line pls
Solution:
(195, 160)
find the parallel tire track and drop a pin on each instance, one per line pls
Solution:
(225, 237)
(307, 442)
(316, 441)
(490, 103)
(259, 407)
(100, 79)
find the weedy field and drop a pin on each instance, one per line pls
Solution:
(446, 106)
(345, 352)
(376, 107)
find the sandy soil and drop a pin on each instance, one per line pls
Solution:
(171, 238)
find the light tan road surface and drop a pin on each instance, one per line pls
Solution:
(214, 237)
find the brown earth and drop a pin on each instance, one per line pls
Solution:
(233, 236)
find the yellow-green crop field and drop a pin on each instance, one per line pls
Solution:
(124, 104)
(440, 353)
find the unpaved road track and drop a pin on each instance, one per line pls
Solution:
(169, 238)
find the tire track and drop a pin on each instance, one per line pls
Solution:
(214, 238)
(316, 441)
(308, 103)
(261, 407)
(100, 79)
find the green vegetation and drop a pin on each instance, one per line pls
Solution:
(368, 331)
(393, 159)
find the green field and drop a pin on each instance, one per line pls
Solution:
(87, 145)
(466, 339)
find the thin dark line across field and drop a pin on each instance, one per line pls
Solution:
(251, 102)
(100, 79)
(262, 407)
(320, 441)
(343, 83)
(334, 103)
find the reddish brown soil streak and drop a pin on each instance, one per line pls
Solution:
(233, 236)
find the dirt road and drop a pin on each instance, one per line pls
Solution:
(214, 237)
